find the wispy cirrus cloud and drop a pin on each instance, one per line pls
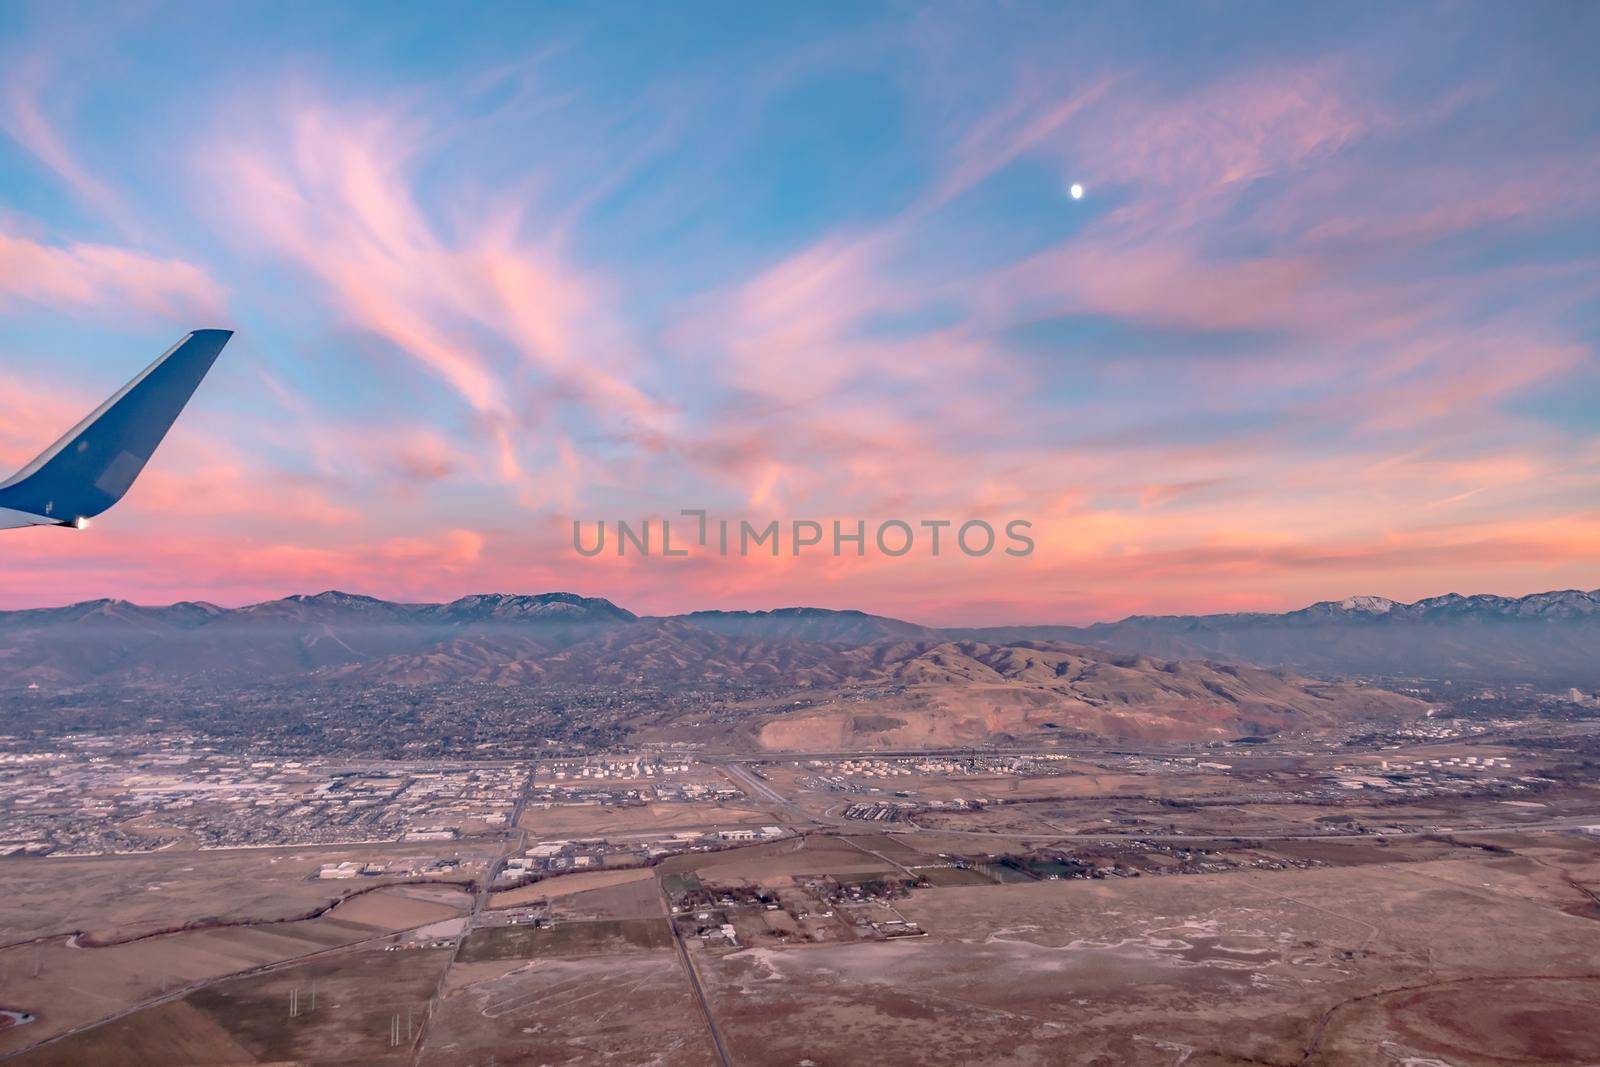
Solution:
(105, 281)
(505, 321)
(29, 80)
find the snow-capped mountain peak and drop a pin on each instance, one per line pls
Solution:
(1372, 605)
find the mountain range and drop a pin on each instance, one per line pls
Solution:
(1550, 639)
(868, 681)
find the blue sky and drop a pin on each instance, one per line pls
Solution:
(1324, 323)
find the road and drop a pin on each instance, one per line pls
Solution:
(694, 982)
(754, 785)
(517, 840)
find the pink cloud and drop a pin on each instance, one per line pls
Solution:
(1229, 133)
(32, 415)
(103, 280)
(451, 550)
(479, 309)
(244, 569)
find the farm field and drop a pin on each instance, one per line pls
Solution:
(632, 1008)
(359, 995)
(122, 896)
(600, 937)
(66, 984)
(586, 819)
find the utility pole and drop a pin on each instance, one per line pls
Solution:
(313, 995)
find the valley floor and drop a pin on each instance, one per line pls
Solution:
(1030, 908)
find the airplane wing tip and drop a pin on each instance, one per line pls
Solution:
(210, 336)
(93, 464)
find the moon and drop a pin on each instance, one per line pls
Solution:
(1076, 191)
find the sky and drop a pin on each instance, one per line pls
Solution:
(1323, 323)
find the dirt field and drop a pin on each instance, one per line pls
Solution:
(166, 1034)
(1204, 969)
(631, 1009)
(904, 850)
(566, 939)
(1530, 1020)
(247, 1020)
(123, 895)
(630, 900)
(401, 909)
(772, 864)
(76, 985)
(566, 885)
(581, 820)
